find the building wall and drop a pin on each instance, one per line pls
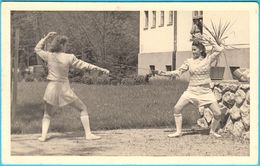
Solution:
(156, 45)
(184, 24)
(158, 59)
(158, 39)
(238, 32)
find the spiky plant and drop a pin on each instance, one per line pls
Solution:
(216, 34)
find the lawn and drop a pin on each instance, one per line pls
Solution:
(109, 107)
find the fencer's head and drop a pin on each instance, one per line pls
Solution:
(59, 43)
(198, 49)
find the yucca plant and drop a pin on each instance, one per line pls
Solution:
(216, 34)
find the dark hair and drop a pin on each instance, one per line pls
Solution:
(57, 43)
(201, 47)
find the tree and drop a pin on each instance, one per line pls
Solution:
(100, 37)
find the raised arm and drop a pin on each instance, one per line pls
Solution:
(39, 47)
(77, 63)
(216, 53)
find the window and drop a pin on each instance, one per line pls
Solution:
(197, 14)
(197, 22)
(162, 19)
(154, 19)
(146, 24)
(168, 68)
(152, 67)
(170, 18)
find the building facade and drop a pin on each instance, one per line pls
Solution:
(165, 39)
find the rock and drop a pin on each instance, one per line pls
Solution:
(244, 86)
(245, 109)
(228, 87)
(246, 122)
(245, 114)
(218, 93)
(223, 108)
(238, 129)
(228, 99)
(248, 97)
(208, 115)
(234, 106)
(240, 96)
(243, 74)
(221, 131)
(246, 135)
(235, 113)
(202, 123)
(229, 126)
(216, 83)
(224, 115)
(201, 111)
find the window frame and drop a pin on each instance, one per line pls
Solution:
(154, 20)
(161, 19)
(146, 20)
(168, 67)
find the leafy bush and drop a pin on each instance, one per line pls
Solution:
(76, 79)
(96, 77)
(103, 80)
(134, 80)
(128, 81)
(75, 73)
(86, 79)
(139, 79)
(29, 77)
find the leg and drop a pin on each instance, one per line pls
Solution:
(79, 105)
(183, 101)
(215, 121)
(45, 121)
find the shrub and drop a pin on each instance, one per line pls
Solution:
(75, 73)
(139, 79)
(103, 80)
(134, 80)
(128, 81)
(115, 82)
(29, 77)
(76, 79)
(87, 80)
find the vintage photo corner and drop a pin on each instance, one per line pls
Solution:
(145, 82)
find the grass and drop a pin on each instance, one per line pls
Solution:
(109, 107)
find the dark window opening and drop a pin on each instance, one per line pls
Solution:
(146, 24)
(162, 19)
(154, 19)
(168, 68)
(170, 18)
(152, 67)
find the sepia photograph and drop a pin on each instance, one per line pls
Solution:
(131, 83)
